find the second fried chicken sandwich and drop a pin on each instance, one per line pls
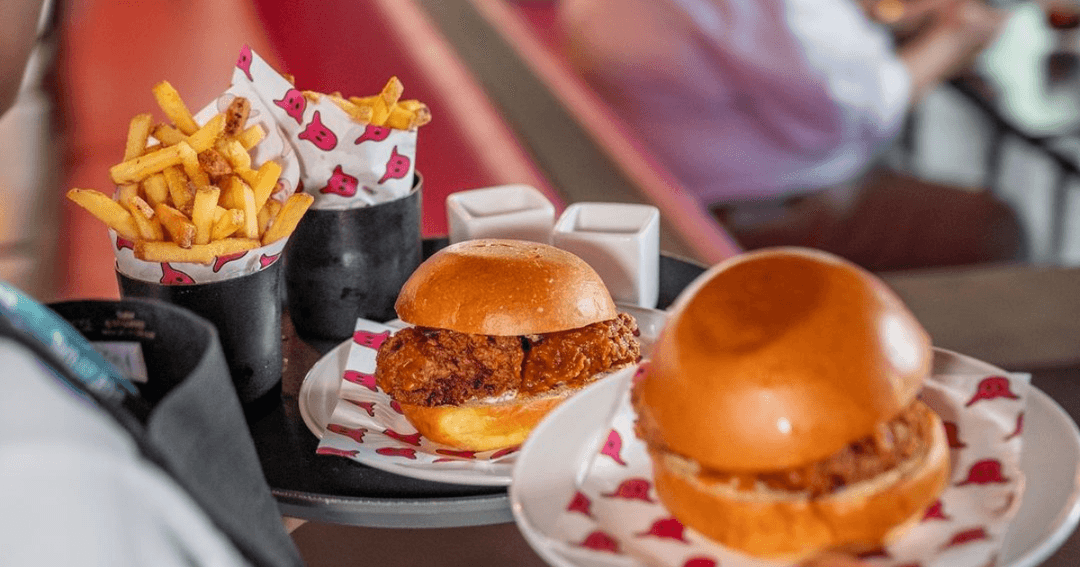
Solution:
(502, 331)
(780, 408)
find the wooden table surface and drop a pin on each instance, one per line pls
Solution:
(1019, 317)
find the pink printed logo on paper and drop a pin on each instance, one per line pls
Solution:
(394, 405)
(613, 447)
(360, 379)
(373, 133)
(458, 454)
(317, 133)
(220, 261)
(504, 452)
(700, 562)
(370, 340)
(294, 104)
(580, 504)
(244, 62)
(397, 167)
(267, 259)
(967, 536)
(340, 183)
(935, 512)
(953, 435)
(632, 489)
(368, 407)
(986, 471)
(351, 453)
(600, 541)
(397, 452)
(991, 388)
(665, 528)
(122, 243)
(354, 433)
(411, 439)
(172, 276)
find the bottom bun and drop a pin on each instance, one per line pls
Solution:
(792, 527)
(484, 425)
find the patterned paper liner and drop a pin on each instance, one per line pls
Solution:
(342, 163)
(187, 273)
(367, 422)
(615, 515)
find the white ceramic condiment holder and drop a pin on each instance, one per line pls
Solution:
(621, 241)
(516, 211)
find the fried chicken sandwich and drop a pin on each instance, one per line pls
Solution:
(780, 408)
(501, 332)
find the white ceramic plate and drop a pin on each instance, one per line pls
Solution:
(550, 460)
(319, 396)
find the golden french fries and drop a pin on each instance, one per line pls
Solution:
(176, 224)
(251, 137)
(110, 212)
(202, 213)
(227, 224)
(289, 216)
(383, 109)
(173, 106)
(265, 181)
(165, 251)
(190, 193)
(156, 189)
(135, 169)
(138, 132)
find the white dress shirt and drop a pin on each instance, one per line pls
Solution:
(75, 490)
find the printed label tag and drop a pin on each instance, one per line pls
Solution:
(125, 355)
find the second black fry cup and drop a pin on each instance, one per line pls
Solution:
(341, 265)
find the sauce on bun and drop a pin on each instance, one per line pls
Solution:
(780, 412)
(502, 331)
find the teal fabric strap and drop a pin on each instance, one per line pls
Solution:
(88, 366)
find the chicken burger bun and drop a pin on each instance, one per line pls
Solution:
(501, 332)
(780, 412)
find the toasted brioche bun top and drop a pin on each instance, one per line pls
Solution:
(778, 358)
(504, 287)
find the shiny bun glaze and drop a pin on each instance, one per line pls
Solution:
(778, 358)
(504, 287)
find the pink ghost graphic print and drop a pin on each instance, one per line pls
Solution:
(373, 133)
(244, 62)
(319, 134)
(172, 276)
(340, 183)
(397, 166)
(294, 104)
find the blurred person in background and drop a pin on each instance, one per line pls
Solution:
(775, 114)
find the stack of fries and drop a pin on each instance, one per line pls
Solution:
(192, 195)
(383, 109)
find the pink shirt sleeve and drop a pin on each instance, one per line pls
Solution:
(746, 98)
